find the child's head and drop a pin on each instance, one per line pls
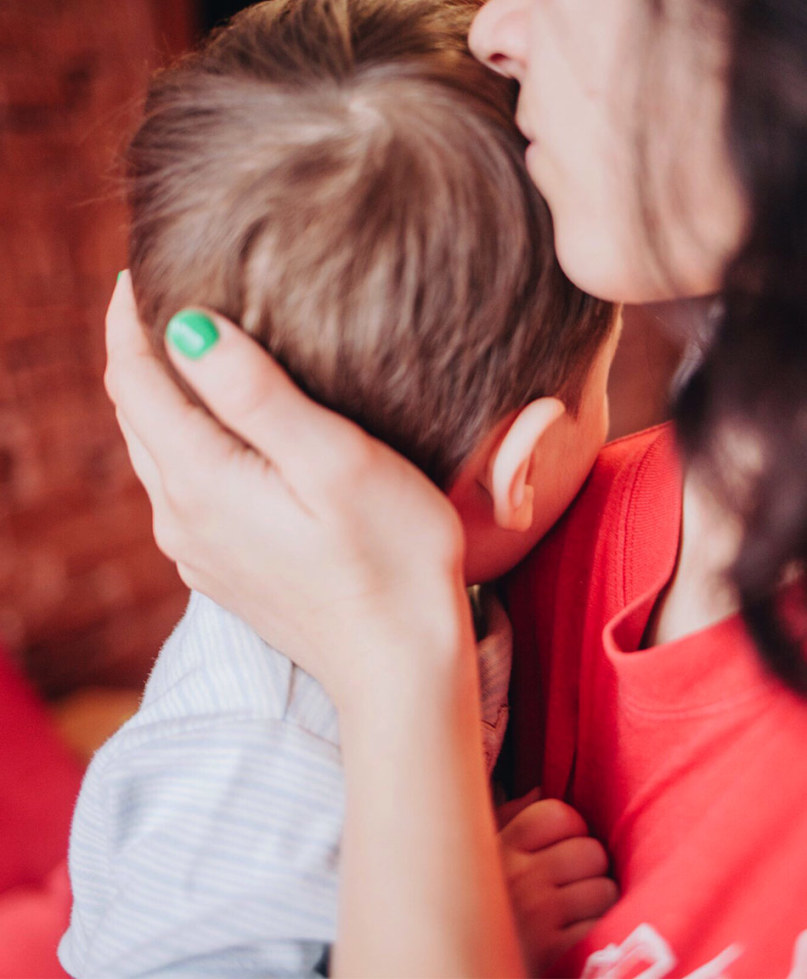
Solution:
(345, 180)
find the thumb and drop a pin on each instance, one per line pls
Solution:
(507, 812)
(250, 394)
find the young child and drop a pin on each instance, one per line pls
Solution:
(345, 180)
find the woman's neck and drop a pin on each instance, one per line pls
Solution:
(697, 595)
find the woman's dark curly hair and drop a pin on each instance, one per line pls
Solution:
(753, 380)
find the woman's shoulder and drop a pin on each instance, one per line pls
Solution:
(650, 453)
(633, 476)
(628, 509)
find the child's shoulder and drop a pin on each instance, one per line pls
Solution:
(214, 670)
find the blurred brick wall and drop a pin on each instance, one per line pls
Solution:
(84, 595)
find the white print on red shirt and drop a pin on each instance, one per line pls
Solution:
(646, 955)
(799, 970)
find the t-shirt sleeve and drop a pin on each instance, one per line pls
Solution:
(206, 847)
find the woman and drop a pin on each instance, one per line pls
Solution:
(668, 139)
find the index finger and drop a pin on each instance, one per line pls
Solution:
(146, 398)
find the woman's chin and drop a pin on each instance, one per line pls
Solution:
(596, 265)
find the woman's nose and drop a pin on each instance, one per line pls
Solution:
(499, 36)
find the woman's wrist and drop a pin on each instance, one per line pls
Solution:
(430, 663)
(420, 859)
(385, 708)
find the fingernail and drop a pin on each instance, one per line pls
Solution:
(191, 333)
(119, 275)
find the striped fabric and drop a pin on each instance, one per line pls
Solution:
(206, 837)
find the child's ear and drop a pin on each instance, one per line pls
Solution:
(508, 471)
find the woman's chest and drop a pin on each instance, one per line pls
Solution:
(705, 818)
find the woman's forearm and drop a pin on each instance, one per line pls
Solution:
(422, 889)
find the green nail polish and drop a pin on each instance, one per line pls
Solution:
(191, 333)
(120, 274)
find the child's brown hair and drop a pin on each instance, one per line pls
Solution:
(346, 181)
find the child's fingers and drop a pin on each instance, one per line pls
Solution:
(575, 859)
(550, 929)
(567, 938)
(580, 858)
(586, 899)
(542, 824)
(552, 922)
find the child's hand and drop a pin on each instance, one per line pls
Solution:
(556, 877)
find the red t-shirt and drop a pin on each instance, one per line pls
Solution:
(687, 761)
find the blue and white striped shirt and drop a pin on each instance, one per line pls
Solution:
(206, 837)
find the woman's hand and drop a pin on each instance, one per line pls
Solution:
(333, 547)
(346, 558)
